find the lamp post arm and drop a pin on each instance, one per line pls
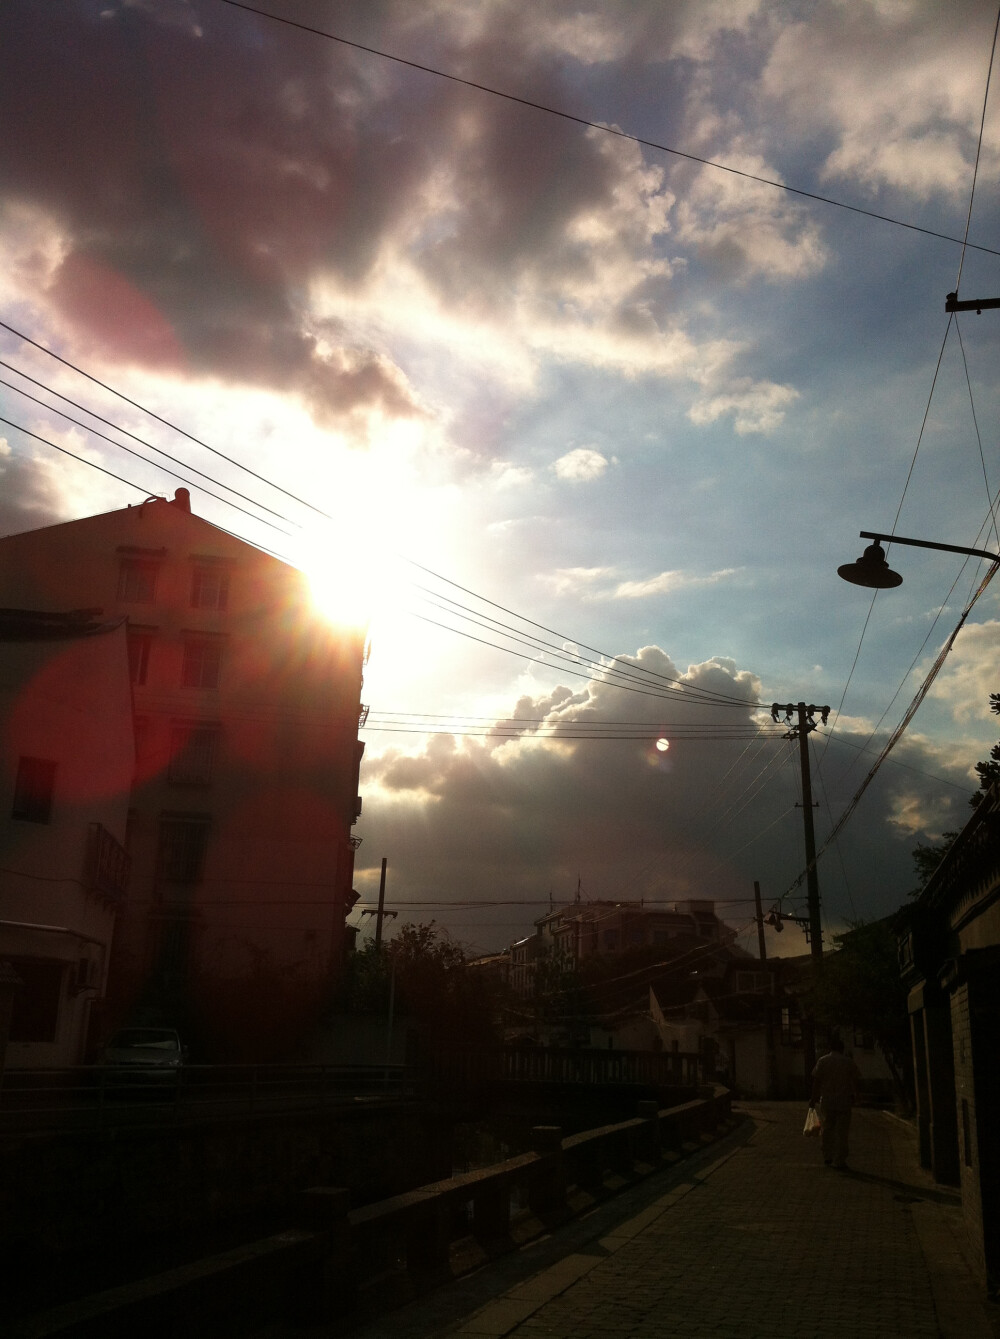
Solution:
(926, 544)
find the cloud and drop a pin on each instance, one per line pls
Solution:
(602, 583)
(666, 582)
(580, 465)
(756, 407)
(705, 819)
(31, 492)
(898, 86)
(970, 673)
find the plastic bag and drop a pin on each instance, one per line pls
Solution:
(812, 1125)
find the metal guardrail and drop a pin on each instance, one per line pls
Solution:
(90, 1097)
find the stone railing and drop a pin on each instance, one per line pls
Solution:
(336, 1260)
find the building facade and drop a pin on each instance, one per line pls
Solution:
(949, 948)
(66, 760)
(244, 790)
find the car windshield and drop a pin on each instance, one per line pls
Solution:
(144, 1037)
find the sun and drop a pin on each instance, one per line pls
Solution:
(663, 745)
(349, 582)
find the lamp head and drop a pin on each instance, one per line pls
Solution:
(871, 570)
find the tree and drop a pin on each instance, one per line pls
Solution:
(859, 986)
(927, 856)
(989, 772)
(425, 973)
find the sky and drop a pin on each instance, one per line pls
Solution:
(582, 425)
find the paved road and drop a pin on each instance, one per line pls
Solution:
(757, 1241)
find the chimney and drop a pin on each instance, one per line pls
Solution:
(182, 500)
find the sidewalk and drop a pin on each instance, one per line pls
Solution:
(758, 1240)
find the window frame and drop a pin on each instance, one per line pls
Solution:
(134, 570)
(212, 577)
(185, 768)
(177, 867)
(198, 670)
(31, 802)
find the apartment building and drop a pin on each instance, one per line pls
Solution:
(244, 790)
(66, 760)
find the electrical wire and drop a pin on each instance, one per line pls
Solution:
(109, 423)
(165, 421)
(605, 129)
(898, 732)
(979, 149)
(138, 456)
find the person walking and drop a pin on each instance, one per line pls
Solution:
(836, 1087)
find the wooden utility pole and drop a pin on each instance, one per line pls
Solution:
(762, 947)
(801, 730)
(381, 914)
(381, 906)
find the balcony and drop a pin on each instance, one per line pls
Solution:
(106, 867)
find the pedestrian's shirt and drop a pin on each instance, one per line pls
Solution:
(837, 1077)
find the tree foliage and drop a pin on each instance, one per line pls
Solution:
(424, 974)
(989, 771)
(859, 986)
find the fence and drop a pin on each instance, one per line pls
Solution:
(94, 1097)
(530, 1064)
(334, 1257)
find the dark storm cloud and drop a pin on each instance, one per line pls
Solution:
(201, 174)
(704, 819)
(29, 495)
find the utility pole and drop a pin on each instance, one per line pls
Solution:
(801, 730)
(770, 1054)
(381, 914)
(977, 305)
(762, 947)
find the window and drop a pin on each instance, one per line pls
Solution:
(192, 753)
(202, 661)
(35, 1010)
(137, 580)
(610, 938)
(183, 840)
(33, 790)
(139, 644)
(791, 1026)
(753, 982)
(210, 587)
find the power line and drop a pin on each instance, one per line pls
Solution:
(129, 451)
(165, 421)
(608, 130)
(118, 428)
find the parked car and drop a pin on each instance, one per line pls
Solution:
(143, 1055)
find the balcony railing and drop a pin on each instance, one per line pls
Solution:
(107, 865)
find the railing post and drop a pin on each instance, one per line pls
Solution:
(547, 1188)
(327, 1288)
(428, 1239)
(491, 1212)
(651, 1147)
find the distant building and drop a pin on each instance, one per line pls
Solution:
(66, 761)
(245, 782)
(582, 931)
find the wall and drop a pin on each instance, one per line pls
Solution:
(66, 700)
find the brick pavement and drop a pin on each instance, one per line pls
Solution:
(752, 1239)
(761, 1241)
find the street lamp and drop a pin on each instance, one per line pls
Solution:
(873, 570)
